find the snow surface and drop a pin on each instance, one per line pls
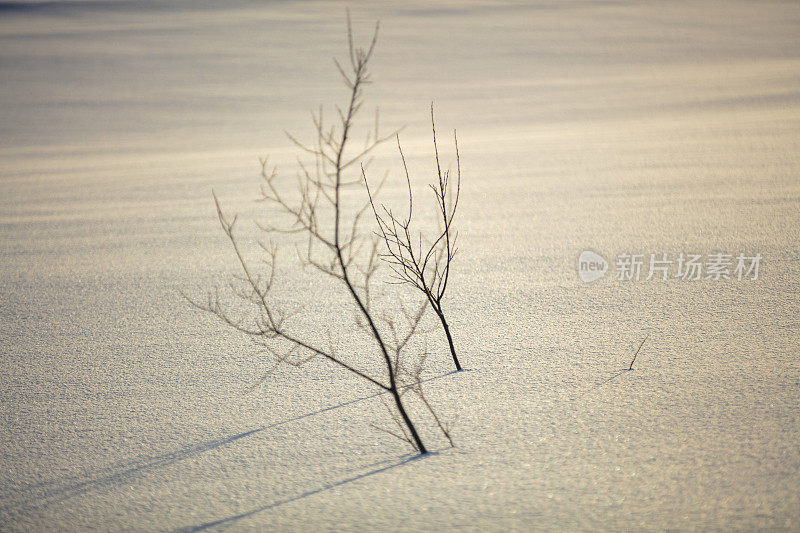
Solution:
(617, 127)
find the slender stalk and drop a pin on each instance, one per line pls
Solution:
(447, 334)
(359, 75)
(637, 351)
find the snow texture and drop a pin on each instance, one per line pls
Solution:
(615, 127)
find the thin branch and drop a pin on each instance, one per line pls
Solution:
(637, 351)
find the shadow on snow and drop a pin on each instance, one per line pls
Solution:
(42, 495)
(306, 494)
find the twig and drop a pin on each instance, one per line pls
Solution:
(637, 351)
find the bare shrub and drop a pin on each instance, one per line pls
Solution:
(416, 261)
(336, 249)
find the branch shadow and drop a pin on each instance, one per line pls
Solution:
(42, 495)
(600, 384)
(234, 518)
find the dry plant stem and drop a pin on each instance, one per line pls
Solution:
(425, 266)
(360, 75)
(334, 253)
(637, 351)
